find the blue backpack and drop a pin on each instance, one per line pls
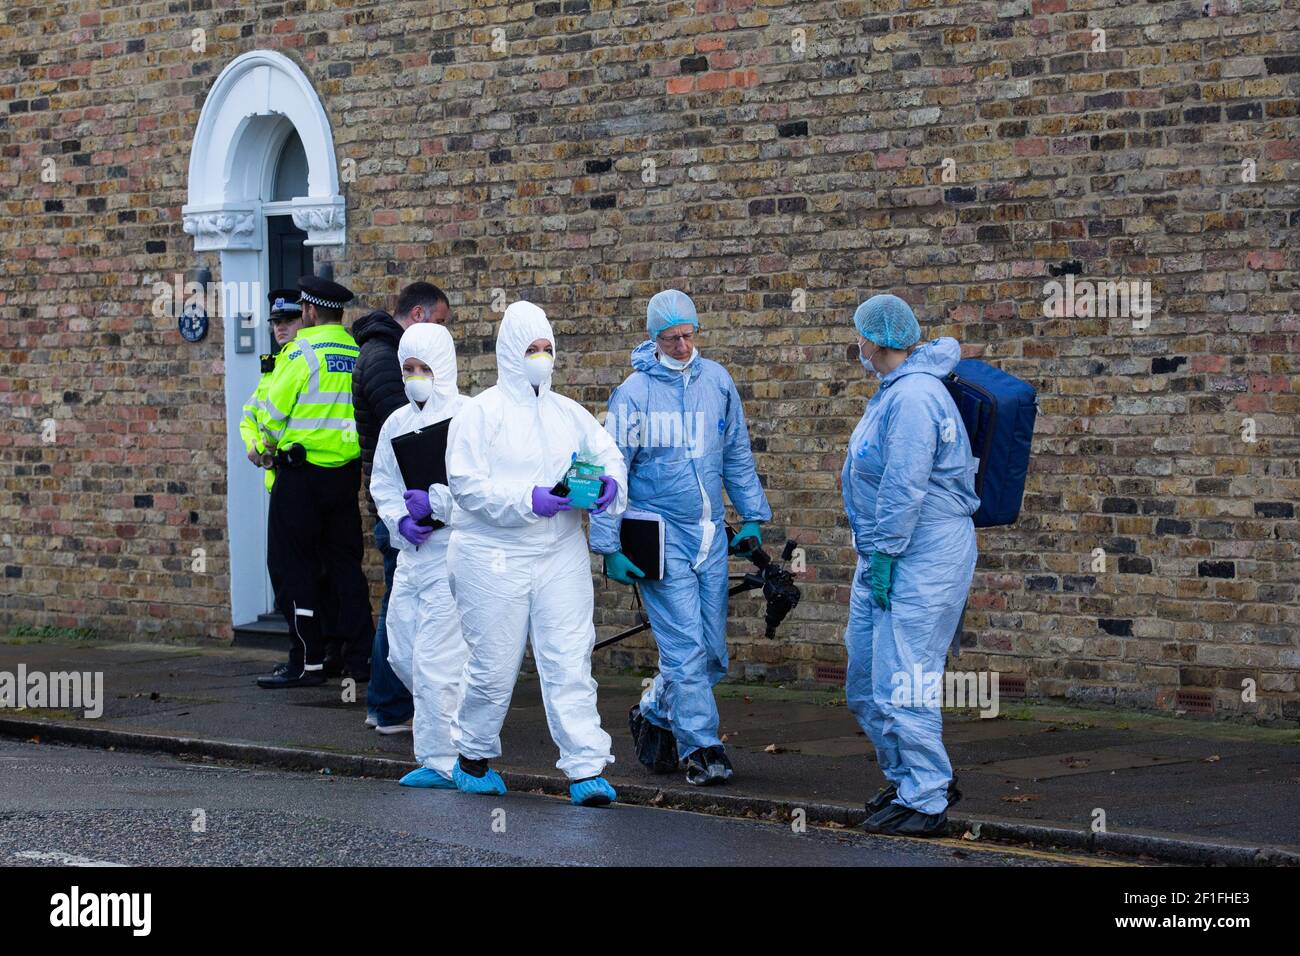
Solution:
(998, 411)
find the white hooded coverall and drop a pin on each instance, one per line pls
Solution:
(425, 647)
(515, 574)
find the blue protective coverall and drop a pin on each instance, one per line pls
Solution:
(909, 490)
(683, 436)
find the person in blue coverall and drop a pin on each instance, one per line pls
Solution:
(679, 422)
(909, 490)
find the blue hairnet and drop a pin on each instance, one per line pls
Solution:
(889, 321)
(669, 308)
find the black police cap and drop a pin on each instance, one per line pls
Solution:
(323, 293)
(284, 304)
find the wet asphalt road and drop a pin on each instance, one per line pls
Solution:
(62, 805)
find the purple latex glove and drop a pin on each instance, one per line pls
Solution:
(412, 532)
(547, 505)
(608, 492)
(417, 503)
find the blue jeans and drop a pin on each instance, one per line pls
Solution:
(387, 699)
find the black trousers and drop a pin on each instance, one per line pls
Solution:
(273, 556)
(329, 623)
(314, 553)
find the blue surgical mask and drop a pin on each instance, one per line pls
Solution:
(866, 362)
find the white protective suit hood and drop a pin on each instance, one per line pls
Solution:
(522, 325)
(426, 648)
(432, 344)
(518, 577)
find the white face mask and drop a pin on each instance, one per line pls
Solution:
(677, 365)
(419, 389)
(537, 368)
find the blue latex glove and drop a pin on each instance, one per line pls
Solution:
(750, 529)
(608, 492)
(417, 503)
(620, 568)
(412, 532)
(547, 505)
(881, 575)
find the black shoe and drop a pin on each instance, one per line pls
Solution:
(282, 677)
(475, 768)
(898, 820)
(359, 674)
(708, 766)
(655, 747)
(885, 796)
(332, 667)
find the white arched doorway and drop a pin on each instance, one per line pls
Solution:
(262, 165)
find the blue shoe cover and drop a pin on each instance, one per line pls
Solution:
(427, 779)
(592, 793)
(490, 782)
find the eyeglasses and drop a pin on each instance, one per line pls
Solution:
(676, 339)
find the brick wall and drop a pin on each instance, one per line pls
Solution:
(778, 161)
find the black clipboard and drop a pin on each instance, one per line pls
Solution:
(641, 538)
(422, 458)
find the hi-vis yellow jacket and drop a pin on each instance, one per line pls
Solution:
(248, 428)
(308, 399)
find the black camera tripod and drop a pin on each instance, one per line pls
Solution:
(776, 582)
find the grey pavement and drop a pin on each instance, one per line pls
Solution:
(1209, 781)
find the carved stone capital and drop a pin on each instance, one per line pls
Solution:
(322, 219)
(223, 227)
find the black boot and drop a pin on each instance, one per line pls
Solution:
(898, 820)
(358, 672)
(708, 766)
(655, 747)
(885, 796)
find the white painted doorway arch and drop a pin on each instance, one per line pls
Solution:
(257, 102)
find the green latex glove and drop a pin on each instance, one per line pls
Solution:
(881, 573)
(750, 529)
(621, 569)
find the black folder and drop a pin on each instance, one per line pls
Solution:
(422, 457)
(642, 540)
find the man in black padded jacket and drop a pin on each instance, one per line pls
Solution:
(377, 391)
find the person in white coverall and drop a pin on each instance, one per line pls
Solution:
(518, 559)
(425, 647)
